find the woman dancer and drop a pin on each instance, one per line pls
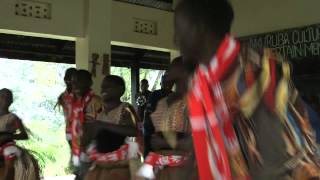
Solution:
(16, 162)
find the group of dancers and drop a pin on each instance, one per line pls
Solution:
(234, 113)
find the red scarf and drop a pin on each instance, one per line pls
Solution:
(9, 151)
(67, 109)
(77, 118)
(126, 152)
(118, 155)
(156, 161)
(213, 134)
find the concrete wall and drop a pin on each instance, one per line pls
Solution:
(122, 25)
(67, 18)
(258, 16)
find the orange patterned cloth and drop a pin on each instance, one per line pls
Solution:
(171, 117)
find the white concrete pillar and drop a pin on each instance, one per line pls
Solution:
(174, 54)
(97, 39)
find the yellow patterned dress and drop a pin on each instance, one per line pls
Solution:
(172, 120)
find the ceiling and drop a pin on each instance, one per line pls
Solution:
(166, 5)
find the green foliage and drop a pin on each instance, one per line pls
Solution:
(49, 147)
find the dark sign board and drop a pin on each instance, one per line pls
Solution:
(297, 43)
